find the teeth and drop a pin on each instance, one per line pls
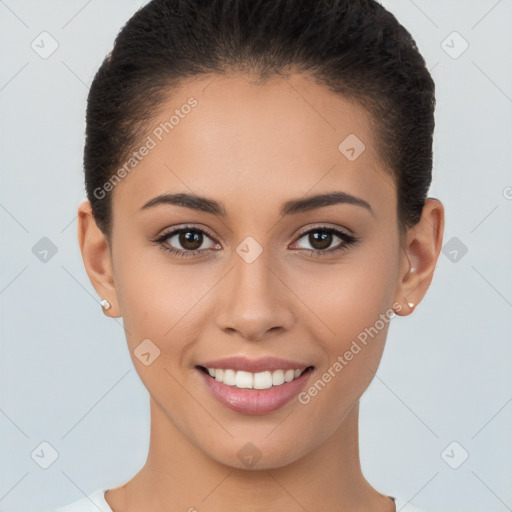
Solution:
(248, 380)
(289, 375)
(262, 380)
(229, 377)
(243, 379)
(277, 378)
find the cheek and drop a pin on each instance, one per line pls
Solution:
(158, 303)
(348, 297)
(160, 300)
(350, 307)
(360, 322)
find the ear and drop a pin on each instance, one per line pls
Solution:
(422, 247)
(97, 257)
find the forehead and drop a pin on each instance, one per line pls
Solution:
(244, 142)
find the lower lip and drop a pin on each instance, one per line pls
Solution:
(254, 401)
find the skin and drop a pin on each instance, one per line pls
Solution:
(253, 147)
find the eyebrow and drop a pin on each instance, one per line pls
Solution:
(294, 206)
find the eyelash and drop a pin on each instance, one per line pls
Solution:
(348, 240)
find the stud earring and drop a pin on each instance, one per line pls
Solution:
(411, 305)
(105, 304)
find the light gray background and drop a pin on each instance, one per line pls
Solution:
(66, 376)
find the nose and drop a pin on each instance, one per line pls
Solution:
(255, 299)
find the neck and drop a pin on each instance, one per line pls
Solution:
(177, 476)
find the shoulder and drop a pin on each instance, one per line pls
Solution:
(405, 506)
(94, 502)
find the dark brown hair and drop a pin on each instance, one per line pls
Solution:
(354, 47)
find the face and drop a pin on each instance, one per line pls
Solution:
(263, 278)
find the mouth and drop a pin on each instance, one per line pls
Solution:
(254, 393)
(248, 380)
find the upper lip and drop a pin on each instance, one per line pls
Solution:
(254, 365)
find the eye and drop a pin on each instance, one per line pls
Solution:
(322, 237)
(189, 238)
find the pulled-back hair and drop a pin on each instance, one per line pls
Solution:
(356, 48)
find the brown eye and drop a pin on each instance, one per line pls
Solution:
(190, 240)
(320, 239)
(186, 241)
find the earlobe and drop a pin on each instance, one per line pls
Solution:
(97, 259)
(422, 248)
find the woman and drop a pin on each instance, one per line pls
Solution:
(257, 176)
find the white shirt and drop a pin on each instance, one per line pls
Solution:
(96, 502)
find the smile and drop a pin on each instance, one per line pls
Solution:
(253, 386)
(248, 380)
